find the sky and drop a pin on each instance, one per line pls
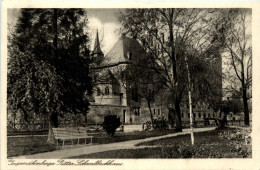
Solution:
(103, 20)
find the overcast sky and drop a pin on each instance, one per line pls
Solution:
(103, 20)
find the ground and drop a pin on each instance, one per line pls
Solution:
(224, 143)
(29, 144)
(212, 144)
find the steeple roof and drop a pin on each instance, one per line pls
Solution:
(124, 47)
(97, 49)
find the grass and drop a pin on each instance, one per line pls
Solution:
(28, 145)
(102, 137)
(207, 145)
(17, 146)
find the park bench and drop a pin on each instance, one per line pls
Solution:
(71, 134)
(80, 133)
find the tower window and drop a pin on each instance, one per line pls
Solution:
(107, 90)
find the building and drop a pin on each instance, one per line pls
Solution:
(112, 95)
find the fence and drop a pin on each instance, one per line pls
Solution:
(202, 123)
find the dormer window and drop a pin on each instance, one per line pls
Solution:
(107, 90)
(129, 55)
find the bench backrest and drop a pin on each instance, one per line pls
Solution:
(83, 130)
(60, 132)
(73, 131)
(78, 131)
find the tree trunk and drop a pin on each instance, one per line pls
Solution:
(178, 115)
(51, 138)
(151, 114)
(246, 111)
(223, 121)
(53, 119)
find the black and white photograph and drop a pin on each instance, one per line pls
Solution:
(107, 85)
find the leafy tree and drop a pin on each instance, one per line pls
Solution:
(48, 64)
(142, 77)
(227, 106)
(238, 54)
(170, 35)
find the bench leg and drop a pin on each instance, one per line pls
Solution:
(78, 141)
(85, 141)
(90, 140)
(63, 143)
(72, 141)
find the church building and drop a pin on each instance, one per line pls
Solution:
(112, 95)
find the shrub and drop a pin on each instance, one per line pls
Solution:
(240, 141)
(110, 124)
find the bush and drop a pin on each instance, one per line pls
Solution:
(110, 124)
(240, 141)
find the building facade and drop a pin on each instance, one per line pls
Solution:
(113, 95)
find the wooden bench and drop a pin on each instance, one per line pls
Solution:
(80, 133)
(71, 134)
(62, 134)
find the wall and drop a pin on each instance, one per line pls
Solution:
(97, 112)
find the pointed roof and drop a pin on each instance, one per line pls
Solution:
(97, 49)
(119, 53)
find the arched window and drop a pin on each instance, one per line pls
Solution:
(98, 91)
(107, 90)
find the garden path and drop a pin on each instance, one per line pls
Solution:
(88, 149)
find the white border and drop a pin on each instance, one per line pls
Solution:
(143, 163)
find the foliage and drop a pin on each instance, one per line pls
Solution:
(238, 56)
(188, 151)
(110, 124)
(48, 64)
(143, 80)
(242, 141)
(170, 34)
(227, 106)
(157, 124)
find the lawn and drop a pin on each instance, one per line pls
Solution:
(28, 145)
(212, 144)
(17, 146)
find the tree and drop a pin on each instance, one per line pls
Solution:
(140, 75)
(190, 33)
(48, 64)
(239, 53)
(227, 106)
